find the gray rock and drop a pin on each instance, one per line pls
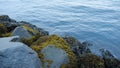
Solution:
(6, 18)
(42, 31)
(106, 54)
(21, 32)
(16, 39)
(17, 55)
(9, 23)
(77, 47)
(55, 55)
(11, 26)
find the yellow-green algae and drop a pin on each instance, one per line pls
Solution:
(30, 29)
(91, 61)
(3, 31)
(45, 41)
(33, 38)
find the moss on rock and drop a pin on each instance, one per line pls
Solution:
(35, 35)
(3, 31)
(31, 30)
(90, 61)
(31, 40)
(58, 42)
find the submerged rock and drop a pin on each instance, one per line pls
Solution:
(54, 57)
(21, 32)
(17, 55)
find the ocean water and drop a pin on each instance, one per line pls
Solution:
(96, 21)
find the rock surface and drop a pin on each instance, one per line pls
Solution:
(11, 24)
(56, 50)
(54, 56)
(21, 32)
(42, 32)
(5, 18)
(17, 55)
(109, 59)
(77, 47)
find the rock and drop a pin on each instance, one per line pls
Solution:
(3, 29)
(42, 32)
(77, 47)
(21, 32)
(11, 26)
(106, 54)
(17, 55)
(90, 61)
(112, 63)
(109, 60)
(5, 18)
(54, 51)
(9, 23)
(54, 57)
(16, 39)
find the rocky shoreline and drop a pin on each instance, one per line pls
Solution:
(24, 45)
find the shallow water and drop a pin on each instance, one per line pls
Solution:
(97, 21)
